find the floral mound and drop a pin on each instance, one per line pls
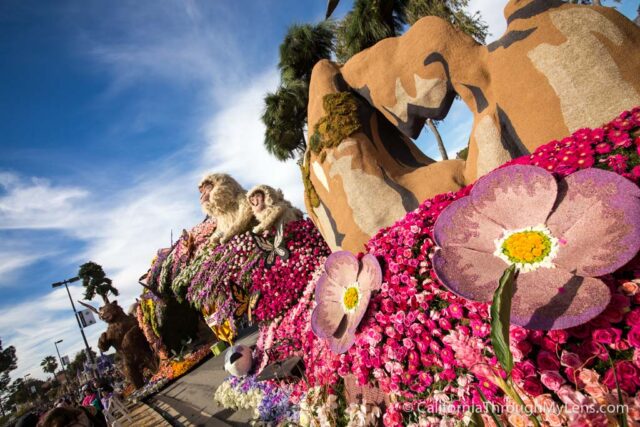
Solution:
(282, 283)
(170, 370)
(430, 349)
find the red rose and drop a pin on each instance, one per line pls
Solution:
(532, 387)
(633, 317)
(547, 361)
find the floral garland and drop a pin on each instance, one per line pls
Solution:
(431, 348)
(172, 369)
(282, 283)
(319, 408)
(268, 401)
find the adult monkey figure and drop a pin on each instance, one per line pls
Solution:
(559, 67)
(223, 198)
(270, 208)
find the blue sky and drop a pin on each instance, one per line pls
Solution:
(109, 115)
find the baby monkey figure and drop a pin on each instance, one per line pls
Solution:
(270, 208)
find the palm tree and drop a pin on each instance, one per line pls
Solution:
(95, 281)
(285, 118)
(449, 10)
(285, 114)
(49, 364)
(303, 46)
(368, 22)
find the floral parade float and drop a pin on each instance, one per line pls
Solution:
(423, 328)
(502, 289)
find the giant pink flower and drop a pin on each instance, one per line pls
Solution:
(561, 236)
(342, 295)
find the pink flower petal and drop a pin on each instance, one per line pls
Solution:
(342, 268)
(370, 276)
(552, 298)
(326, 318)
(471, 274)
(516, 196)
(328, 291)
(597, 221)
(460, 224)
(342, 339)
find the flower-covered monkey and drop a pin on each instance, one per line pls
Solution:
(271, 208)
(223, 198)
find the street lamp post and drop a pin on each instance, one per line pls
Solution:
(86, 344)
(58, 351)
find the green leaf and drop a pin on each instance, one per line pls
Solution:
(501, 318)
(476, 419)
(489, 408)
(331, 6)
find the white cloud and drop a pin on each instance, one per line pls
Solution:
(35, 203)
(492, 14)
(14, 260)
(235, 143)
(33, 326)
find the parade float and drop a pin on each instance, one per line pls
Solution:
(498, 290)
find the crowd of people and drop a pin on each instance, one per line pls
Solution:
(84, 409)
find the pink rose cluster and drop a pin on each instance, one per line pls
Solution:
(425, 344)
(291, 335)
(615, 146)
(281, 284)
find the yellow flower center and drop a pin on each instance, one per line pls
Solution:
(526, 247)
(351, 297)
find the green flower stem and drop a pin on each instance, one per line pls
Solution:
(622, 417)
(500, 322)
(489, 408)
(509, 390)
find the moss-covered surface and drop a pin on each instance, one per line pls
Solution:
(309, 190)
(339, 123)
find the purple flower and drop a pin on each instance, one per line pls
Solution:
(342, 294)
(560, 235)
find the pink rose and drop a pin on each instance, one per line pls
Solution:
(634, 336)
(528, 368)
(595, 390)
(588, 376)
(518, 333)
(559, 336)
(571, 397)
(552, 380)
(606, 335)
